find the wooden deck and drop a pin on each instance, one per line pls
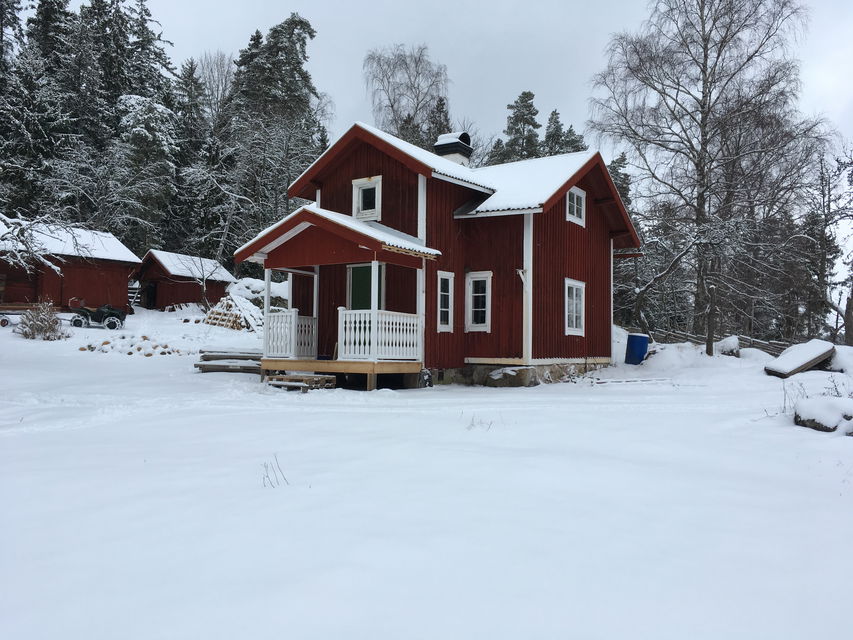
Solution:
(342, 366)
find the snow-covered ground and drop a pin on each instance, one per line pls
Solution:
(686, 506)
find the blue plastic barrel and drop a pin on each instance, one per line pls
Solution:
(638, 346)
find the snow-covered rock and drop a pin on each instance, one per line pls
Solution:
(825, 413)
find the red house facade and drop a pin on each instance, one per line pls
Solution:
(409, 259)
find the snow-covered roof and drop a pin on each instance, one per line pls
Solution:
(385, 235)
(184, 266)
(522, 185)
(60, 240)
(528, 184)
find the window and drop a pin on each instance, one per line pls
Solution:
(576, 206)
(574, 307)
(367, 198)
(478, 301)
(445, 301)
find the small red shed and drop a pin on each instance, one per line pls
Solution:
(92, 266)
(167, 278)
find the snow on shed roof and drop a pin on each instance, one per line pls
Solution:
(528, 183)
(184, 266)
(60, 240)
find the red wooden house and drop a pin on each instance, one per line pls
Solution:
(167, 278)
(91, 266)
(409, 259)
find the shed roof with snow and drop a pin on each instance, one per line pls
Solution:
(61, 240)
(180, 265)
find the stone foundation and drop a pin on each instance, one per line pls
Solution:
(489, 375)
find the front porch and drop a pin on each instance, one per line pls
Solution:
(358, 309)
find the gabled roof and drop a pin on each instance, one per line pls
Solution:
(382, 237)
(184, 266)
(61, 240)
(528, 184)
(513, 187)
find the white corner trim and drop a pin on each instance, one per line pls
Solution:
(581, 194)
(422, 208)
(527, 292)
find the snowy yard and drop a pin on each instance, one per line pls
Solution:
(133, 504)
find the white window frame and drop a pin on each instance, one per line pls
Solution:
(448, 327)
(470, 325)
(579, 196)
(362, 183)
(383, 290)
(575, 284)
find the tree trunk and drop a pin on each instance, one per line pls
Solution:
(848, 322)
(712, 320)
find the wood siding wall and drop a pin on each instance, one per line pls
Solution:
(488, 244)
(399, 186)
(97, 282)
(563, 249)
(174, 289)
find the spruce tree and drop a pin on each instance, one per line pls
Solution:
(438, 122)
(149, 65)
(49, 28)
(11, 36)
(559, 140)
(109, 26)
(621, 178)
(521, 129)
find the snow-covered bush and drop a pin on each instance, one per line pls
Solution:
(41, 323)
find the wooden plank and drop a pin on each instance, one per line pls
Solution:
(341, 366)
(229, 355)
(224, 366)
(814, 352)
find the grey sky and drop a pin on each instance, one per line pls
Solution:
(493, 50)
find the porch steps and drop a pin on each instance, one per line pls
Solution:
(229, 366)
(303, 381)
(229, 361)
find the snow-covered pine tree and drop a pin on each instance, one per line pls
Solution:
(49, 29)
(621, 178)
(11, 37)
(109, 26)
(150, 69)
(438, 122)
(276, 123)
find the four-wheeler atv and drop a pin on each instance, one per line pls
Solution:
(106, 316)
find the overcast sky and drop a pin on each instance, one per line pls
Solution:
(493, 50)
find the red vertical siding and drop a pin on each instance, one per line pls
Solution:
(563, 249)
(333, 294)
(302, 293)
(399, 186)
(487, 244)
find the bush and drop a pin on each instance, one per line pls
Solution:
(41, 323)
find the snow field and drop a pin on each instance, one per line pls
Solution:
(133, 504)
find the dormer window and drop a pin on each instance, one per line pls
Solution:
(576, 206)
(367, 198)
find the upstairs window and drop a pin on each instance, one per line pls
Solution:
(445, 302)
(576, 206)
(478, 301)
(367, 198)
(574, 311)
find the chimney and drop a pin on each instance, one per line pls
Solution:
(454, 146)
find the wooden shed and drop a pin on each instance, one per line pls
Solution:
(167, 278)
(91, 266)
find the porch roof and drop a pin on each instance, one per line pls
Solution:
(372, 235)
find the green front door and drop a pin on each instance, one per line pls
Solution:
(360, 287)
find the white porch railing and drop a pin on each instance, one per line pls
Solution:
(289, 335)
(398, 335)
